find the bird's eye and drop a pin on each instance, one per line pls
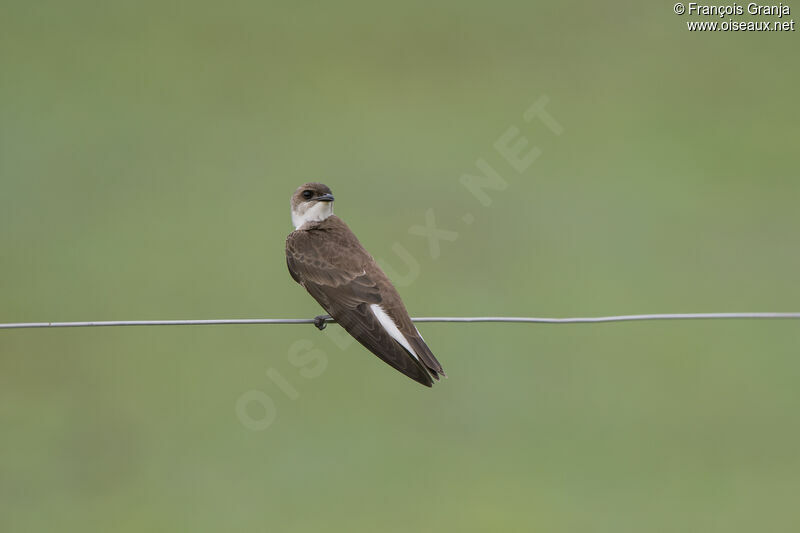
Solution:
(307, 195)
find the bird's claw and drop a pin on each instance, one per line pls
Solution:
(321, 321)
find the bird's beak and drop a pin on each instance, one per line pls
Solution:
(324, 198)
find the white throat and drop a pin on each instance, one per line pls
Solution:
(316, 212)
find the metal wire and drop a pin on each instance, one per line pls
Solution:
(513, 319)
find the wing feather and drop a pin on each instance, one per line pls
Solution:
(341, 276)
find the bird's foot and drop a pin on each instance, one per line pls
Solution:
(321, 321)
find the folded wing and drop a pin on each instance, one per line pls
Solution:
(347, 283)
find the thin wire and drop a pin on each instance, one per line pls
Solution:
(513, 319)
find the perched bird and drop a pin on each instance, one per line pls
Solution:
(325, 257)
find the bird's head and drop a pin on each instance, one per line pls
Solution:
(311, 202)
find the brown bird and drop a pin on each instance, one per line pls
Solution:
(325, 257)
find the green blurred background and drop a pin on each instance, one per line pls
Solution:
(147, 155)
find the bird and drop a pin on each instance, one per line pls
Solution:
(326, 258)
